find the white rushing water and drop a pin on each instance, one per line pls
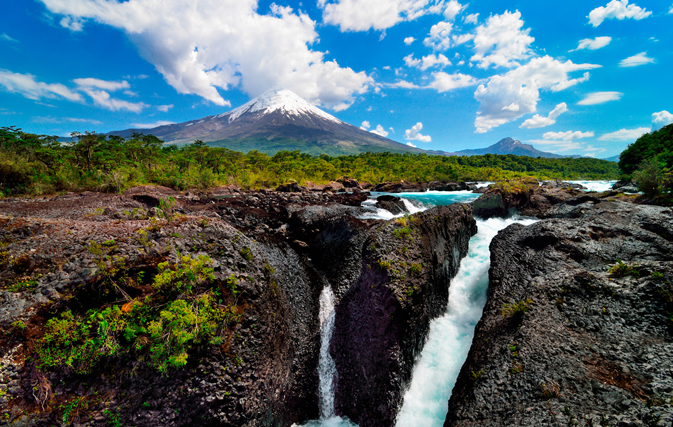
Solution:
(426, 401)
(327, 372)
(599, 186)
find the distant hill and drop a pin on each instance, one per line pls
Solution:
(504, 146)
(274, 121)
(613, 158)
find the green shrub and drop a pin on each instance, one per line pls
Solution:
(246, 253)
(384, 265)
(515, 310)
(402, 233)
(184, 276)
(622, 269)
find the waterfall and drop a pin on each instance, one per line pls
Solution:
(327, 373)
(326, 366)
(450, 336)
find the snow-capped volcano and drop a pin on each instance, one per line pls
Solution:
(282, 100)
(276, 120)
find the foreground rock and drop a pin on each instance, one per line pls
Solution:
(88, 251)
(565, 342)
(398, 282)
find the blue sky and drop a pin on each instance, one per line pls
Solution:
(573, 77)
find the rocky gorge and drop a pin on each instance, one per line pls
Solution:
(575, 330)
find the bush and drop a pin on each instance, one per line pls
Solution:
(649, 177)
(515, 310)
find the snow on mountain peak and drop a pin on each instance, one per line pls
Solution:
(279, 99)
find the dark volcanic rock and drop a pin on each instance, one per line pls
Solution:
(392, 204)
(292, 187)
(392, 289)
(594, 348)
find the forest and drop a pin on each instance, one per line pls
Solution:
(33, 164)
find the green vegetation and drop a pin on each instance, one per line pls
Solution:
(161, 328)
(384, 265)
(37, 164)
(476, 375)
(402, 233)
(649, 162)
(622, 270)
(515, 310)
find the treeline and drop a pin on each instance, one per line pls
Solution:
(649, 162)
(38, 164)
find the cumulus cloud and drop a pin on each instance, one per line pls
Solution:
(365, 125)
(26, 85)
(379, 131)
(538, 121)
(624, 135)
(411, 145)
(151, 125)
(439, 37)
(202, 46)
(409, 40)
(521, 88)
(593, 44)
(568, 135)
(444, 82)
(414, 134)
(472, 18)
(636, 60)
(453, 8)
(362, 15)
(617, 9)
(99, 91)
(661, 119)
(427, 61)
(501, 41)
(600, 98)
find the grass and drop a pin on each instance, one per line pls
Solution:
(515, 310)
(622, 269)
(402, 233)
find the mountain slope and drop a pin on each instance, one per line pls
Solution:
(506, 146)
(274, 121)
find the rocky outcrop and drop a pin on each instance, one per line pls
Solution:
(88, 251)
(415, 187)
(528, 198)
(626, 186)
(392, 204)
(577, 327)
(395, 283)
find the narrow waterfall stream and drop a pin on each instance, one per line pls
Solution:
(327, 373)
(426, 401)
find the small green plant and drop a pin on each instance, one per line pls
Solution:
(415, 268)
(109, 243)
(516, 369)
(267, 267)
(19, 325)
(384, 265)
(657, 275)
(402, 221)
(232, 285)
(404, 250)
(622, 269)
(113, 419)
(25, 284)
(204, 222)
(166, 209)
(246, 253)
(513, 350)
(550, 390)
(476, 375)
(515, 310)
(402, 233)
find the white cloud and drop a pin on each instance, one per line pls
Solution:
(151, 125)
(538, 121)
(204, 45)
(661, 119)
(472, 18)
(557, 145)
(671, 11)
(439, 36)
(26, 85)
(402, 84)
(624, 135)
(102, 84)
(501, 41)
(522, 86)
(565, 84)
(164, 108)
(365, 125)
(600, 98)
(593, 44)
(411, 145)
(453, 8)
(7, 38)
(427, 61)
(415, 135)
(636, 60)
(617, 9)
(362, 15)
(380, 131)
(567, 136)
(103, 99)
(444, 82)
(409, 40)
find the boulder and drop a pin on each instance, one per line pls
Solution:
(392, 204)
